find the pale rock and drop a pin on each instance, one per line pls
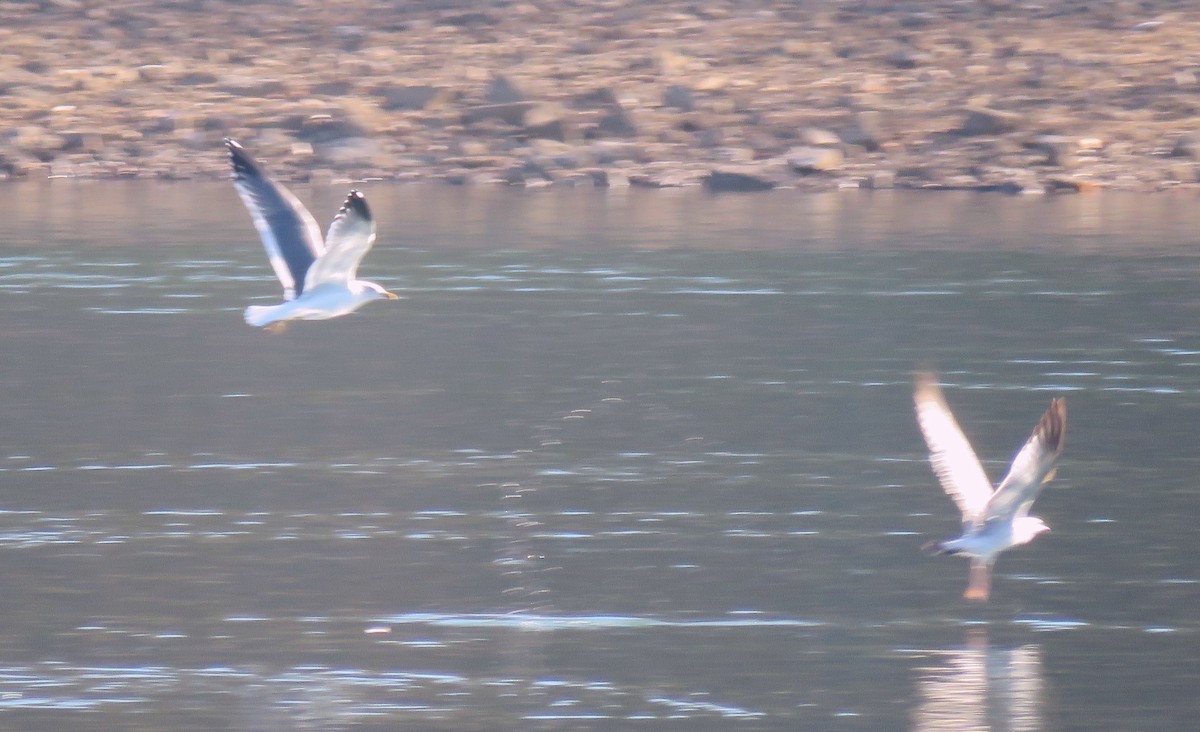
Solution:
(807, 160)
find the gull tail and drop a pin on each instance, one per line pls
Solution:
(261, 315)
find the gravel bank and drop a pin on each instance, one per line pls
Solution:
(746, 95)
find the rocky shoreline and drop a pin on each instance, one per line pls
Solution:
(992, 95)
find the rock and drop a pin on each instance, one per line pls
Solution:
(598, 98)
(410, 97)
(981, 120)
(323, 128)
(679, 97)
(195, 78)
(1063, 184)
(616, 123)
(818, 137)
(337, 88)
(1183, 172)
(1059, 149)
(549, 120)
(252, 86)
(1187, 146)
(351, 37)
(866, 131)
(712, 83)
(728, 181)
(807, 160)
(16, 164)
(879, 180)
(501, 90)
(904, 58)
(36, 142)
(602, 178)
(512, 113)
(80, 141)
(152, 72)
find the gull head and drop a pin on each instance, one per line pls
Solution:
(1026, 528)
(376, 292)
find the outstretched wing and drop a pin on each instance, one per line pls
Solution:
(288, 231)
(954, 462)
(1033, 466)
(349, 239)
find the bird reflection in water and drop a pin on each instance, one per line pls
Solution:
(978, 687)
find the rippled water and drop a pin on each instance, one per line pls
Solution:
(641, 461)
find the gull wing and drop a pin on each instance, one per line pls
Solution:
(288, 231)
(1033, 466)
(349, 239)
(954, 462)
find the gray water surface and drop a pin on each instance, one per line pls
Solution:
(631, 461)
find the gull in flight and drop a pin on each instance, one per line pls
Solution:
(318, 275)
(993, 520)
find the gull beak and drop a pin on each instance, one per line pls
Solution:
(391, 295)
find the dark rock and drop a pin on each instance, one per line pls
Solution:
(83, 142)
(679, 97)
(616, 123)
(904, 58)
(879, 180)
(196, 78)
(602, 178)
(337, 88)
(468, 19)
(351, 37)
(1063, 184)
(1187, 146)
(409, 97)
(599, 98)
(726, 181)
(696, 121)
(500, 90)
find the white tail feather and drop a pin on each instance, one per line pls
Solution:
(261, 315)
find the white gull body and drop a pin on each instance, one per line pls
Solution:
(319, 276)
(993, 520)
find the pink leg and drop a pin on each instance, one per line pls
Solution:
(980, 586)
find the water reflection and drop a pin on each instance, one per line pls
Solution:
(981, 687)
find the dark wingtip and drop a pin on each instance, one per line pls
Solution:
(357, 203)
(1053, 424)
(243, 165)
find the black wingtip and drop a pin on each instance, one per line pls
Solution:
(357, 203)
(1053, 424)
(243, 165)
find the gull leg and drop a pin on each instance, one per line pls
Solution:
(980, 585)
